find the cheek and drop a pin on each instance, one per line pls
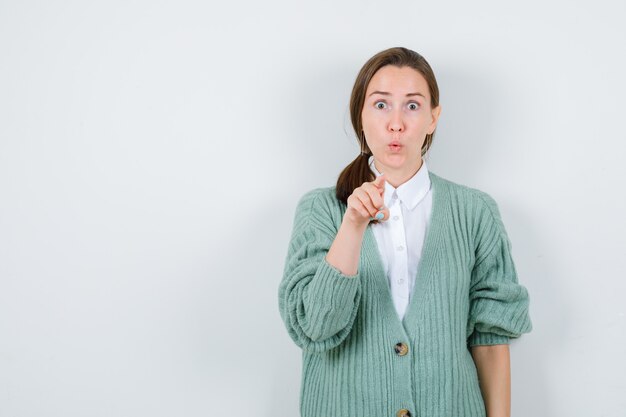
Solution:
(371, 120)
(371, 129)
(418, 121)
(366, 121)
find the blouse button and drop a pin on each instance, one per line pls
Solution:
(403, 413)
(396, 217)
(401, 349)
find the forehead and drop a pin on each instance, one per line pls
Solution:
(398, 81)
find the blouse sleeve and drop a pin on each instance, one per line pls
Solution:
(317, 302)
(499, 305)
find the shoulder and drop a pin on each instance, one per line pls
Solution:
(476, 207)
(318, 198)
(465, 195)
(480, 212)
(320, 206)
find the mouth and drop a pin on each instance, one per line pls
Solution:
(394, 146)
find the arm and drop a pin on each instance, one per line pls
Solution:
(345, 252)
(494, 374)
(499, 304)
(318, 301)
(498, 310)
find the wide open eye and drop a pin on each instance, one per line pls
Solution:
(380, 105)
(413, 106)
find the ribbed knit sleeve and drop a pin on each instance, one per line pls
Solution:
(317, 302)
(499, 305)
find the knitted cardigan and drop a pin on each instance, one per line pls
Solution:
(466, 293)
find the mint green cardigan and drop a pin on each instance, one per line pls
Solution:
(466, 293)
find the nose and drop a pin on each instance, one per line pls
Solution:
(395, 123)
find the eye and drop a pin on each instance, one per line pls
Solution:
(380, 105)
(413, 106)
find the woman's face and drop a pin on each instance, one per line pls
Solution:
(397, 116)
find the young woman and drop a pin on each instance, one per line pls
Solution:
(399, 285)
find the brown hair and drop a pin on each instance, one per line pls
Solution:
(358, 171)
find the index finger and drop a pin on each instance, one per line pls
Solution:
(379, 182)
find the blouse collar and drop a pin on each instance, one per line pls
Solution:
(411, 192)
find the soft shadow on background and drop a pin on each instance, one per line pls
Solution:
(152, 154)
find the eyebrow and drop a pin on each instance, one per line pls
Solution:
(385, 93)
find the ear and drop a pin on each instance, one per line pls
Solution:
(435, 118)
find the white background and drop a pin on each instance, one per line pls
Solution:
(152, 153)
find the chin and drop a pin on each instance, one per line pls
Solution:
(398, 161)
(395, 160)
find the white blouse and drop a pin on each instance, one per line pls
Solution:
(400, 239)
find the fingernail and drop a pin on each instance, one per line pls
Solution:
(379, 216)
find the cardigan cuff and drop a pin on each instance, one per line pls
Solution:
(479, 338)
(336, 271)
(332, 287)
